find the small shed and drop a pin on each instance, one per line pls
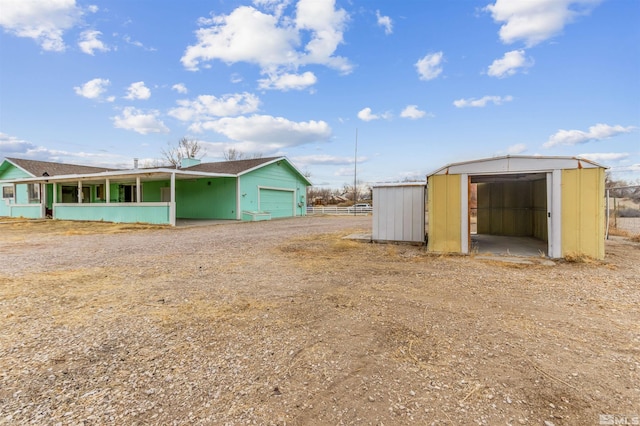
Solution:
(557, 200)
(399, 212)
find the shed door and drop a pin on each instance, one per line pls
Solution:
(280, 203)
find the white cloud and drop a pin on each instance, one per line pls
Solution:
(385, 22)
(267, 132)
(11, 144)
(510, 63)
(516, 149)
(45, 21)
(534, 21)
(323, 159)
(412, 112)
(430, 67)
(245, 35)
(605, 156)
(326, 24)
(276, 6)
(138, 90)
(139, 121)
(137, 43)
(365, 114)
(288, 81)
(482, 102)
(595, 133)
(93, 89)
(270, 40)
(631, 168)
(206, 107)
(89, 42)
(180, 88)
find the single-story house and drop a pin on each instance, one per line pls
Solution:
(254, 189)
(558, 200)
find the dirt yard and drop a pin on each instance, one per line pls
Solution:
(286, 322)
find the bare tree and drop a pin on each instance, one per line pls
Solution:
(151, 163)
(233, 154)
(186, 148)
(361, 189)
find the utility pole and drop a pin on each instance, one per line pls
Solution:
(355, 176)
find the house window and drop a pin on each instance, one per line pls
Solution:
(7, 192)
(34, 191)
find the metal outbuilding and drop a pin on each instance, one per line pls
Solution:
(559, 200)
(399, 212)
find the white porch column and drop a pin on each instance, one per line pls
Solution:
(55, 193)
(172, 201)
(80, 192)
(107, 190)
(554, 213)
(43, 200)
(138, 189)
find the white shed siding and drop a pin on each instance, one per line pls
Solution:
(399, 213)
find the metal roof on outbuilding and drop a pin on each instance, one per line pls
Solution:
(516, 164)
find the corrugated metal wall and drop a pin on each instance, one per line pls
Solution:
(517, 209)
(583, 216)
(445, 202)
(398, 213)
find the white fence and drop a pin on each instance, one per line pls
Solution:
(624, 208)
(339, 210)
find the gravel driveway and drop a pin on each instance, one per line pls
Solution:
(287, 322)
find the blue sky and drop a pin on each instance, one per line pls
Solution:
(422, 83)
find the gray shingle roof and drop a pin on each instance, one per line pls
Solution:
(39, 168)
(230, 167)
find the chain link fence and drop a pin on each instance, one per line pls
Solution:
(623, 208)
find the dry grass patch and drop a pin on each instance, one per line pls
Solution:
(18, 229)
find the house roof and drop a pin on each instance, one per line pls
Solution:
(39, 168)
(231, 167)
(61, 172)
(515, 164)
(240, 167)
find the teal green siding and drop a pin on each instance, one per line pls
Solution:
(9, 171)
(10, 206)
(5, 202)
(22, 194)
(272, 177)
(29, 211)
(121, 213)
(206, 198)
(152, 191)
